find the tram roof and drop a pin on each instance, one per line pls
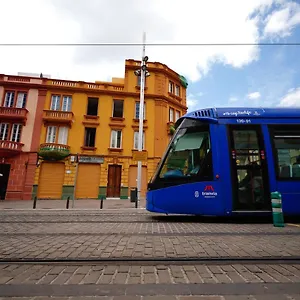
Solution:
(213, 114)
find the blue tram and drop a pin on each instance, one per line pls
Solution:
(227, 161)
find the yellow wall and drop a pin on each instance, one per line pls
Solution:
(76, 132)
(157, 116)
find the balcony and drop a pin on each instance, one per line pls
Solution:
(8, 148)
(13, 113)
(53, 152)
(171, 128)
(57, 116)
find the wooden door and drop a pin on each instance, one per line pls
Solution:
(114, 181)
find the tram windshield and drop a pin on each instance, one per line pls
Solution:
(189, 155)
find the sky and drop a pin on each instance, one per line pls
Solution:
(218, 76)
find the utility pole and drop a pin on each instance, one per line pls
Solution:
(142, 73)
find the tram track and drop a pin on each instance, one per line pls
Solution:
(154, 234)
(155, 261)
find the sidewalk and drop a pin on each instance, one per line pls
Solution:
(76, 204)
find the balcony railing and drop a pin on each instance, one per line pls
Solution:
(58, 116)
(55, 146)
(13, 113)
(9, 148)
(52, 151)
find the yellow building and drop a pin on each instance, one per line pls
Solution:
(90, 133)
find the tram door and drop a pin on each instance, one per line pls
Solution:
(249, 169)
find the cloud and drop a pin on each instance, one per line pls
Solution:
(281, 22)
(254, 95)
(292, 98)
(193, 102)
(116, 21)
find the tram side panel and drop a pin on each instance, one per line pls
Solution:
(222, 168)
(205, 197)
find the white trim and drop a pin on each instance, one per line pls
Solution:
(277, 210)
(51, 134)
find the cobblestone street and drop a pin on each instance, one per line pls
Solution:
(132, 254)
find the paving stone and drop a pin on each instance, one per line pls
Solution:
(200, 297)
(159, 298)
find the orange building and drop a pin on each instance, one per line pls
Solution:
(80, 138)
(21, 105)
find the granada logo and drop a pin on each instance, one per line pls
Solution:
(209, 192)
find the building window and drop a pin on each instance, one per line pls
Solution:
(61, 138)
(177, 90)
(118, 109)
(9, 100)
(90, 137)
(67, 103)
(56, 104)
(177, 115)
(116, 139)
(16, 133)
(171, 87)
(287, 148)
(92, 107)
(136, 140)
(51, 134)
(137, 110)
(63, 135)
(4, 131)
(139, 80)
(171, 114)
(21, 100)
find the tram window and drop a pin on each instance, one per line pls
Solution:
(287, 149)
(189, 155)
(245, 139)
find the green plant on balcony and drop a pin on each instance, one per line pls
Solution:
(171, 129)
(53, 152)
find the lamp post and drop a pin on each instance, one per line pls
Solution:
(143, 73)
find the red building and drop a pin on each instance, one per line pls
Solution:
(21, 107)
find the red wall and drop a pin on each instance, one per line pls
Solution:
(21, 176)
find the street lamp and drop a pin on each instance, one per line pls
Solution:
(143, 73)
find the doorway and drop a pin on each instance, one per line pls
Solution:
(249, 169)
(114, 181)
(4, 175)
